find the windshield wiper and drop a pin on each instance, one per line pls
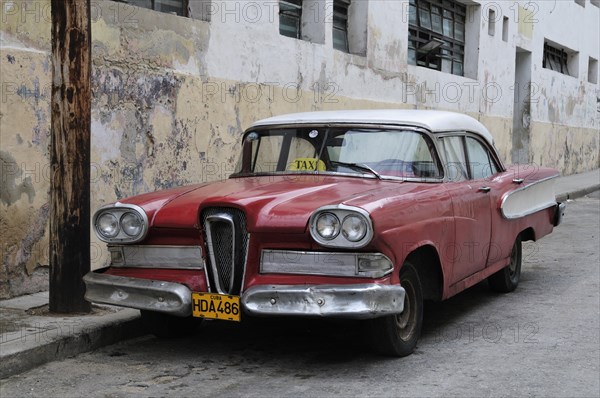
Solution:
(359, 166)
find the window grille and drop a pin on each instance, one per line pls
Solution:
(178, 7)
(555, 59)
(340, 25)
(437, 35)
(290, 18)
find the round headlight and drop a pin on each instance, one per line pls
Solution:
(328, 226)
(132, 224)
(107, 225)
(354, 228)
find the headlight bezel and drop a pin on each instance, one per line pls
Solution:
(99, 229)
(119, 210)
(337, 229)
(342, 212)
(122, 223)
(343, 230)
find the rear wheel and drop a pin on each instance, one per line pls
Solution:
(397, 335)
(168, 326)
(507, 279)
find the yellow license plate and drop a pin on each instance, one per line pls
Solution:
(216, 306)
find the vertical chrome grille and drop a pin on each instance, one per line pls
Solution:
(226, 245)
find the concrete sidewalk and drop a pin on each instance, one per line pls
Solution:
(577, 185)
(30, 336)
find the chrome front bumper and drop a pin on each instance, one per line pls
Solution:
(360, 301)
(560, 213)
(143, 294)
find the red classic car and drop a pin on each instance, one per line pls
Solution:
(350, 214)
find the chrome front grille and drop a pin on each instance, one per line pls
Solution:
(222, 245)
(226, 240)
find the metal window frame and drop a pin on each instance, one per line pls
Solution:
(296, 14)
(556, 55)
(154, 3)
(419, 35)
(340, 22)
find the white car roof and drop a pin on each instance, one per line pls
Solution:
(434, 121)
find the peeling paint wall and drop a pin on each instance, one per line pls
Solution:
(171, 96)
(24, 167)
(565, 116)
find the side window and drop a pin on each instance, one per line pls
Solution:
(480, 161)
(454, 156)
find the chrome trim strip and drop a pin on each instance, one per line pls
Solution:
(339, 241)
(157, 256)
(389, 126)
(245, 263)
(359, 301)
(143, 294)
(532, 210)
(207, 277)
(220, 217)
(338, 174)
(319, 263)
(119, 209)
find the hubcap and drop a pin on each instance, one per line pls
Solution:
(406, 321)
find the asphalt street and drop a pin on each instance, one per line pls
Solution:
(541, 340)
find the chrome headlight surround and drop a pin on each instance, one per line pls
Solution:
(121, 211)
(341, 240)
(327, 225)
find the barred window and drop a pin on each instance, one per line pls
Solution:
(290, 18)
(178, 7)
(437, 35)
(340, 25)
(555, 59)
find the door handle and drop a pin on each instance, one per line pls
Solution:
(518, 180)
(484, 189)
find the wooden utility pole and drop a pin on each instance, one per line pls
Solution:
(70, 155)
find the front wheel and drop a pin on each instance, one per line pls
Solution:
(168, 326)
(397, 335)
(507, 279)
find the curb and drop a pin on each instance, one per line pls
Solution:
(22, 355)
(578, 193)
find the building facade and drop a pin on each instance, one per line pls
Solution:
(176, 81)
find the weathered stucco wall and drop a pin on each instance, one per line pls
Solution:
(171, 96)
(24, 139)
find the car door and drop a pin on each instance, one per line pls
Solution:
(485, 170)
(471, 206)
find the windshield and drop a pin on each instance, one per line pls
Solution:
(374, 153)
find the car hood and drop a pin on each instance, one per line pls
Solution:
(270, 202)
